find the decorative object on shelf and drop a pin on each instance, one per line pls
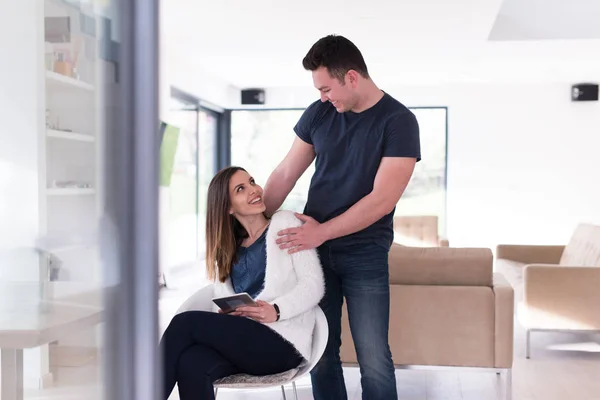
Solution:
(66, 59)
(70, 184)
(63, 47)
(61, 65)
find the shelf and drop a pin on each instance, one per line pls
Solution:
(68, 248)
(67, 82)
(70, 191)
(81, 137)
(64, 248)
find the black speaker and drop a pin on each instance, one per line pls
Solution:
(253, 96)
(584, 92)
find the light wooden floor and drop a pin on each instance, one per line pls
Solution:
(562, 367)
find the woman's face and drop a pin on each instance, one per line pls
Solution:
(245, 195)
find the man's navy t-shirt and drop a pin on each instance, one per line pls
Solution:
(349, 147)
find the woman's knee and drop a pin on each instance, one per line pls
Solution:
(177, 324)
(186, 320)
(203, 362)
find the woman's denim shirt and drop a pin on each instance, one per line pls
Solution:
(248, 273)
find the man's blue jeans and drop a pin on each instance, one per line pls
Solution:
(360, 275)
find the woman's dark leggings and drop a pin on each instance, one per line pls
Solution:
(200, 347)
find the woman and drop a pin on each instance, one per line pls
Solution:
(242, 256)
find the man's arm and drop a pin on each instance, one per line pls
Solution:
(284, 177)
(392, 177)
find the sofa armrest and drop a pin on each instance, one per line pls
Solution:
(567, 296)
(529, 254)
(504, 322)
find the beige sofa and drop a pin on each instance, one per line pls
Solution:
(447, 309)
(418, 231)
(557, 288)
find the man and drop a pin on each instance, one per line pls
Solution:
(366, 145)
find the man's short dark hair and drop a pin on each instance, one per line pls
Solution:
(338, 54)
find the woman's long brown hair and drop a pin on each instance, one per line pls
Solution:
(223, 231)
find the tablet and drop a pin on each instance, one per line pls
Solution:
(230, 303)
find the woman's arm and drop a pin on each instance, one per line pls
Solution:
(309, 289)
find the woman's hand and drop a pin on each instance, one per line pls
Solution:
(264, 312)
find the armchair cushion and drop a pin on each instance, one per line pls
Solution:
(583, 248)
(512, 271)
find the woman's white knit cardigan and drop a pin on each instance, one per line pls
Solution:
(293, 281)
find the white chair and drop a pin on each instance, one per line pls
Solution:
(202, 301)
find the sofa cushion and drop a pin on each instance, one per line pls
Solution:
(440, 266)
(513, 272)
(583, 249)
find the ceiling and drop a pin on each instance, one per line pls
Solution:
(547, 20)
(261, 43)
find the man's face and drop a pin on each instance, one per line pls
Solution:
(341, 95)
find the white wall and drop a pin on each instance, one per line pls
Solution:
(21, 102)
(523, 161)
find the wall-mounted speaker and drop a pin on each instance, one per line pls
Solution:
(253, 96)
(584, 92)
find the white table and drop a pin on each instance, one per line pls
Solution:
(33, 323)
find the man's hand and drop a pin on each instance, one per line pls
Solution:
(308, 236)
(264, 312)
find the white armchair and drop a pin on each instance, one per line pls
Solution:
(202, 301)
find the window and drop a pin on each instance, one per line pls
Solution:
(426, 192)
(192, 172)
(260, 139)
(181, 228)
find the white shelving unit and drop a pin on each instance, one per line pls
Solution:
(71, 153)
(70, 190)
